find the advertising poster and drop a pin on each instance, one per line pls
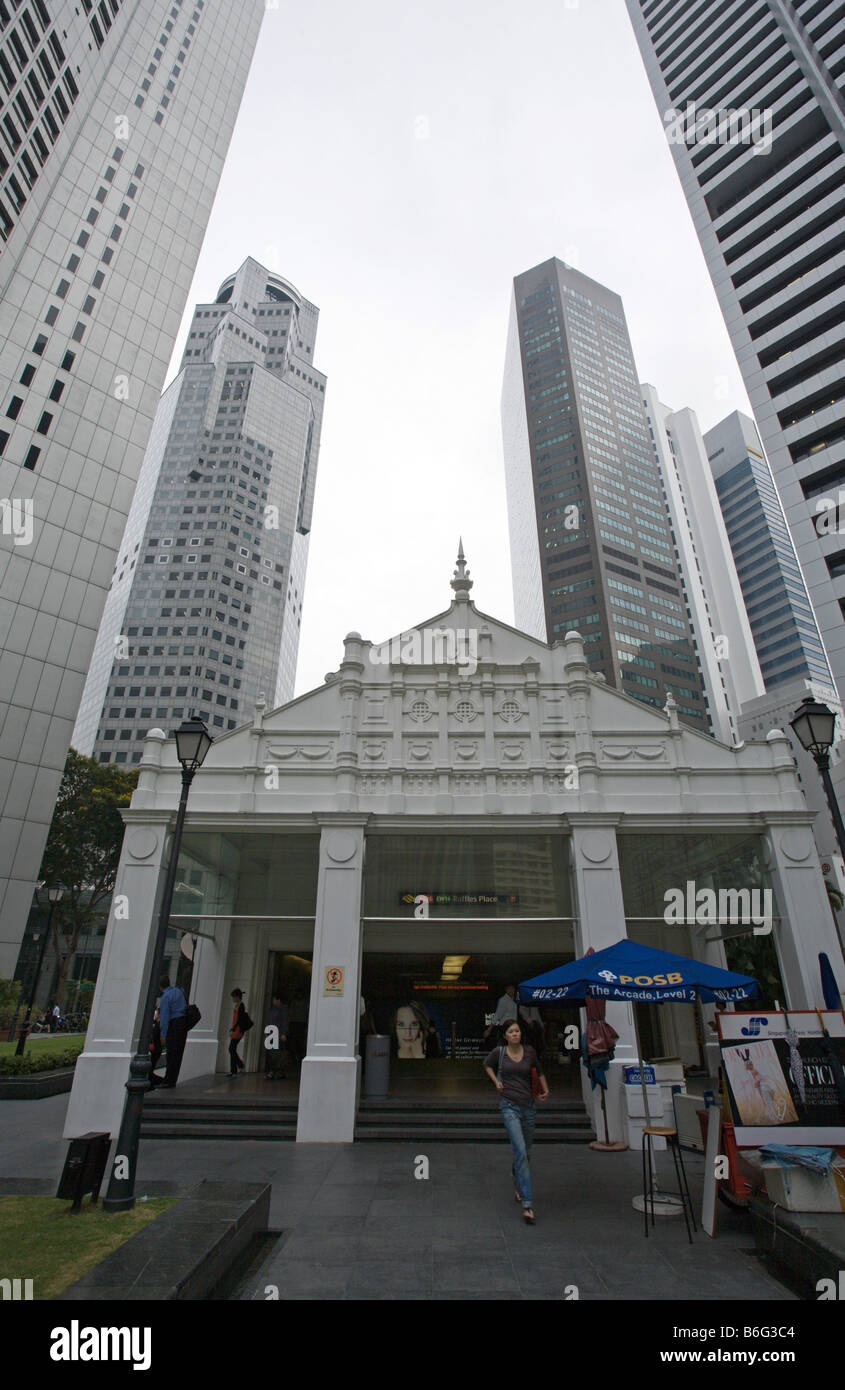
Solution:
(785, 1079)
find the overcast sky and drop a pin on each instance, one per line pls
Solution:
(399, 164)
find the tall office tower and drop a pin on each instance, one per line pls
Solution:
(786, 636)
(751, 96)
(724, 642)
(115, 125)
(591, 544)
(205, 608)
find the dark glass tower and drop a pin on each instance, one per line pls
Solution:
(591, 541)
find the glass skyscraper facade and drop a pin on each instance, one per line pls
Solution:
(785, 632)
(591, 540)
(751, 95)
(115, 124)
(205, 608)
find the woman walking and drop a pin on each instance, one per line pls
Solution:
(510, 1069)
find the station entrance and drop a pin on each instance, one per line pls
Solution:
(438, 1011)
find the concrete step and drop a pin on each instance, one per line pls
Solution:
(154, 1129)
(494, 1134)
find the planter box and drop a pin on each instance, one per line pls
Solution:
(36, 1085)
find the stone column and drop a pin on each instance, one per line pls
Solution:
(601, 913)
(328, 1088)
(96, 1100)
(806, 924)
(204, 1041)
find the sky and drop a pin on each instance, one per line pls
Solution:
(400, 164)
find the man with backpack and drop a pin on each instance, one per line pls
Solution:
(173, 1020)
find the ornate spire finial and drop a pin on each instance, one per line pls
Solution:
(461, 582)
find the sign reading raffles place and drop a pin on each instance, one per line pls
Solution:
(785, 1079)
(460, 899)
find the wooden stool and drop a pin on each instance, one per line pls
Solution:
(671, 1136)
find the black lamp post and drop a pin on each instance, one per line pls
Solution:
(55, 893)
(814, 726)
(192, 743)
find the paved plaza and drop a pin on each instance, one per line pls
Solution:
(356, 1223)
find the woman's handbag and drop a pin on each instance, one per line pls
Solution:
(536, 1088)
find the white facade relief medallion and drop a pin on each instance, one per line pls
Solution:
(419, 752)
(285, 752)
(373, 752)
(420, 710)
(513, 752)
(620, 752)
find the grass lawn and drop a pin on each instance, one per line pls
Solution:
(42, 1043)
(40, 1240)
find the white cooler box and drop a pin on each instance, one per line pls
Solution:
(796, 1188)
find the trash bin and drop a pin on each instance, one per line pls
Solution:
(84, 1168)
(377, 1068)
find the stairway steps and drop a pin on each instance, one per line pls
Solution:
(492, 1135)
(392, 1119)
(202, 1131)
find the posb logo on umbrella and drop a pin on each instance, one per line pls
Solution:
(674, 979)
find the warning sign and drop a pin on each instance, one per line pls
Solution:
(333, 982)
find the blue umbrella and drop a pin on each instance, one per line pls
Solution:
(641, 974)
(830, 989)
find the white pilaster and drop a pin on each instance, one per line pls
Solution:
(96, 1100)
(601, 914)
(328, 1087)
(806, 924)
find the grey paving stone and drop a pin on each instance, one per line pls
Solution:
(393, 1276)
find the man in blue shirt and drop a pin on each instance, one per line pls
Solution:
(173, 1016)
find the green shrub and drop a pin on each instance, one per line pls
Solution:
(35, 1062)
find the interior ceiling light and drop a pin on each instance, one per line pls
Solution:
(452, 966)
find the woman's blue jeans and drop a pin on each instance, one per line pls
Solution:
(519, 1123)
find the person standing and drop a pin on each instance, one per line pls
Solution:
(173, 1021)
(506, 1009)
(297, 1029)
(509, 1068)
(155, 1050)
(278, 1018)
(241, 1023)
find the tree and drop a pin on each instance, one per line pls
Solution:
(83, 850)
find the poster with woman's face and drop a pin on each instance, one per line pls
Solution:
(410, 1026)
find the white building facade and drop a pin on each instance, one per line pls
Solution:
(541, 811)
(117, 119)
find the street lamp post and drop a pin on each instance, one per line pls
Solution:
(192, 744)
(55, 893)
(814, 726)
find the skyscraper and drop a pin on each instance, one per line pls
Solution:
(591, 542)
(116, 122)
(751, 97)
(786, 636)
(204, 611)
(724, 643)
